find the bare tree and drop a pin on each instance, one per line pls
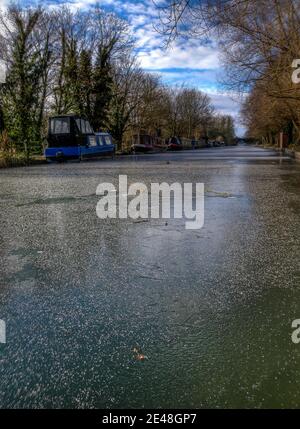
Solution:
(258, 40)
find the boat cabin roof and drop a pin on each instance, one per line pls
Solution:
(67, 124)
(67, 115)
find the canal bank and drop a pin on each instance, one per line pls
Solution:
(293, 154)
(21, 161)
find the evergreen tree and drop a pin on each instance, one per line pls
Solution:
(102, 88)
(22, 91)
(85, 79)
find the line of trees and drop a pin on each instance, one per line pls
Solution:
(61, 62)
(258, 41)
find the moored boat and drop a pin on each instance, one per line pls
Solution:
(72, 137)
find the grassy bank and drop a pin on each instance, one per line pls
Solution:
(19, 160)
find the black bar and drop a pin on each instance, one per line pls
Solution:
(137, 418)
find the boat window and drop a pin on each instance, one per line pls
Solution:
(84, 126)
(82, 122)
(78, 124)
(60, 126)
(92, 141)
(88, 128)
(107, 140)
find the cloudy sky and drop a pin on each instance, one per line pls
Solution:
(186, 62)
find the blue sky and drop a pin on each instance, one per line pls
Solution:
(186, 62)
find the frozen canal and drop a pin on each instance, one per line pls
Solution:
(211, 309)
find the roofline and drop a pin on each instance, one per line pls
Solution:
(69, 115)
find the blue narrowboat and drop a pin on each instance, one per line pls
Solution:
(72, 137)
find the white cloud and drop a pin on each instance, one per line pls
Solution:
(224, 103)
(152, 54)
(181, 56)
(3, 3)
(138, 20)
(228, 104)
(75, 5)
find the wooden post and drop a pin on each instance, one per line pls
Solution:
(281, 141)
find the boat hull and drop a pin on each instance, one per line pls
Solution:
(80, 152)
